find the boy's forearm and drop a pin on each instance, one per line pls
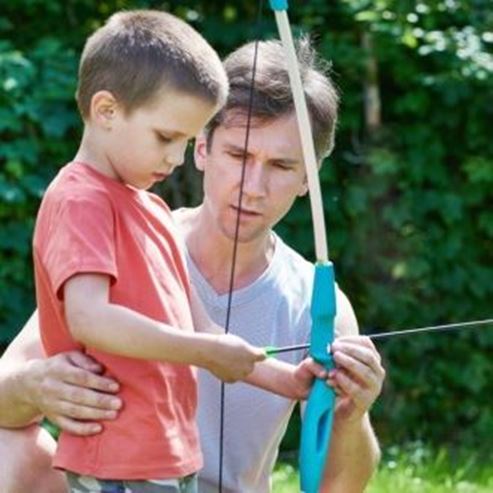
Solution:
(354, 456)
(116, 329)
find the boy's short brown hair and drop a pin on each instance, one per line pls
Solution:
(136, 53)
(272, 95)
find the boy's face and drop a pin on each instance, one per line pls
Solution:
(274, 175)
(145, 146)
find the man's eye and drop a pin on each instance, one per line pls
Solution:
(281, 165)
(236, 155)
(162, 138)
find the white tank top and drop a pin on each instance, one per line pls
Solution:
(272, 311)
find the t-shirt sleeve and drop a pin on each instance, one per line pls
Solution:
(81, 239)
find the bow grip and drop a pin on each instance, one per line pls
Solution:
(319, 412)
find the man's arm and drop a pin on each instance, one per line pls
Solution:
(358, 380)
(66, 388)
(15, 408)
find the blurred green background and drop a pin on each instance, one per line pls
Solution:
(408, 191)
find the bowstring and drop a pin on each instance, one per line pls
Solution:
(235, 242)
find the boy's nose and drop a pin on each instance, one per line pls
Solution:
(176, 155)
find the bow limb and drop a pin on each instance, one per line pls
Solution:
(318, 418)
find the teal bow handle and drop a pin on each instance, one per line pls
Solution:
(319, 413)
(278, 4)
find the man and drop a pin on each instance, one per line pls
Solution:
(270, 304)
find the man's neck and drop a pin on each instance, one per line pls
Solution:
(212, 252)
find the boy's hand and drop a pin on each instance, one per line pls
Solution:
(233, 358)
(67, 389)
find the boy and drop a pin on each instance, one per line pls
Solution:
(110, 274)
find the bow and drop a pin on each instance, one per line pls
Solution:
(317, 422)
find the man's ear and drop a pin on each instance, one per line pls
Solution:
(303, 187)
(104, 108)
(200, 151)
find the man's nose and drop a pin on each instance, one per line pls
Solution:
(255, 183)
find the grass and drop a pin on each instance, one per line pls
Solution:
(413, 469)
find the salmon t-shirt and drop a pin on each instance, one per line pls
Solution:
(89, 223)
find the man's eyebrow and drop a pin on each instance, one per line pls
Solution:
(241, 149)
(233, 147)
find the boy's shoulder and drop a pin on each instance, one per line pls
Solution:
(76, 182)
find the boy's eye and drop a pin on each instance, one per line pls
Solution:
(163, 138)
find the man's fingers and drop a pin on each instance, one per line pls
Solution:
(78, 411)
(83, 378)
(359, 352)
(91, 398)
(360, 344)
(77, 427)
(84, 361)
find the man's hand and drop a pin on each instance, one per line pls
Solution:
(303, 375)
(69, 390)
(358, 376)
(233, 358)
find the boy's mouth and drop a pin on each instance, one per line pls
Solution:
(159, 176)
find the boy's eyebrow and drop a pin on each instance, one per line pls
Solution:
(173, 134)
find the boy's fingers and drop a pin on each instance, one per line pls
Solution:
(260, 354)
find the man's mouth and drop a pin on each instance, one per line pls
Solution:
(245, 211)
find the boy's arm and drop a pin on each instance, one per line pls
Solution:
(271, 375)
(65, 387)
(97, 323)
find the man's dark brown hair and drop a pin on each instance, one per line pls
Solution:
(272, 96)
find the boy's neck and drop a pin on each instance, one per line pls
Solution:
(91, 153)
(212, 252)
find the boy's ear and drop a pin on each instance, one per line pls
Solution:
(200, 151)
(104, 108)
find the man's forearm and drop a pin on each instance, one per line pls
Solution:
(15, 409)
(354, 455)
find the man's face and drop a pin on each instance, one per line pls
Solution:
(274, 174)
(148, 144)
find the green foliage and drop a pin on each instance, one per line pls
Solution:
(408, 203)
(409, 206)
(36, 115)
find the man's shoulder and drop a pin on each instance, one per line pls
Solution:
(299, 272)
(292, 262)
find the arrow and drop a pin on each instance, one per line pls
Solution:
(473, 324)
